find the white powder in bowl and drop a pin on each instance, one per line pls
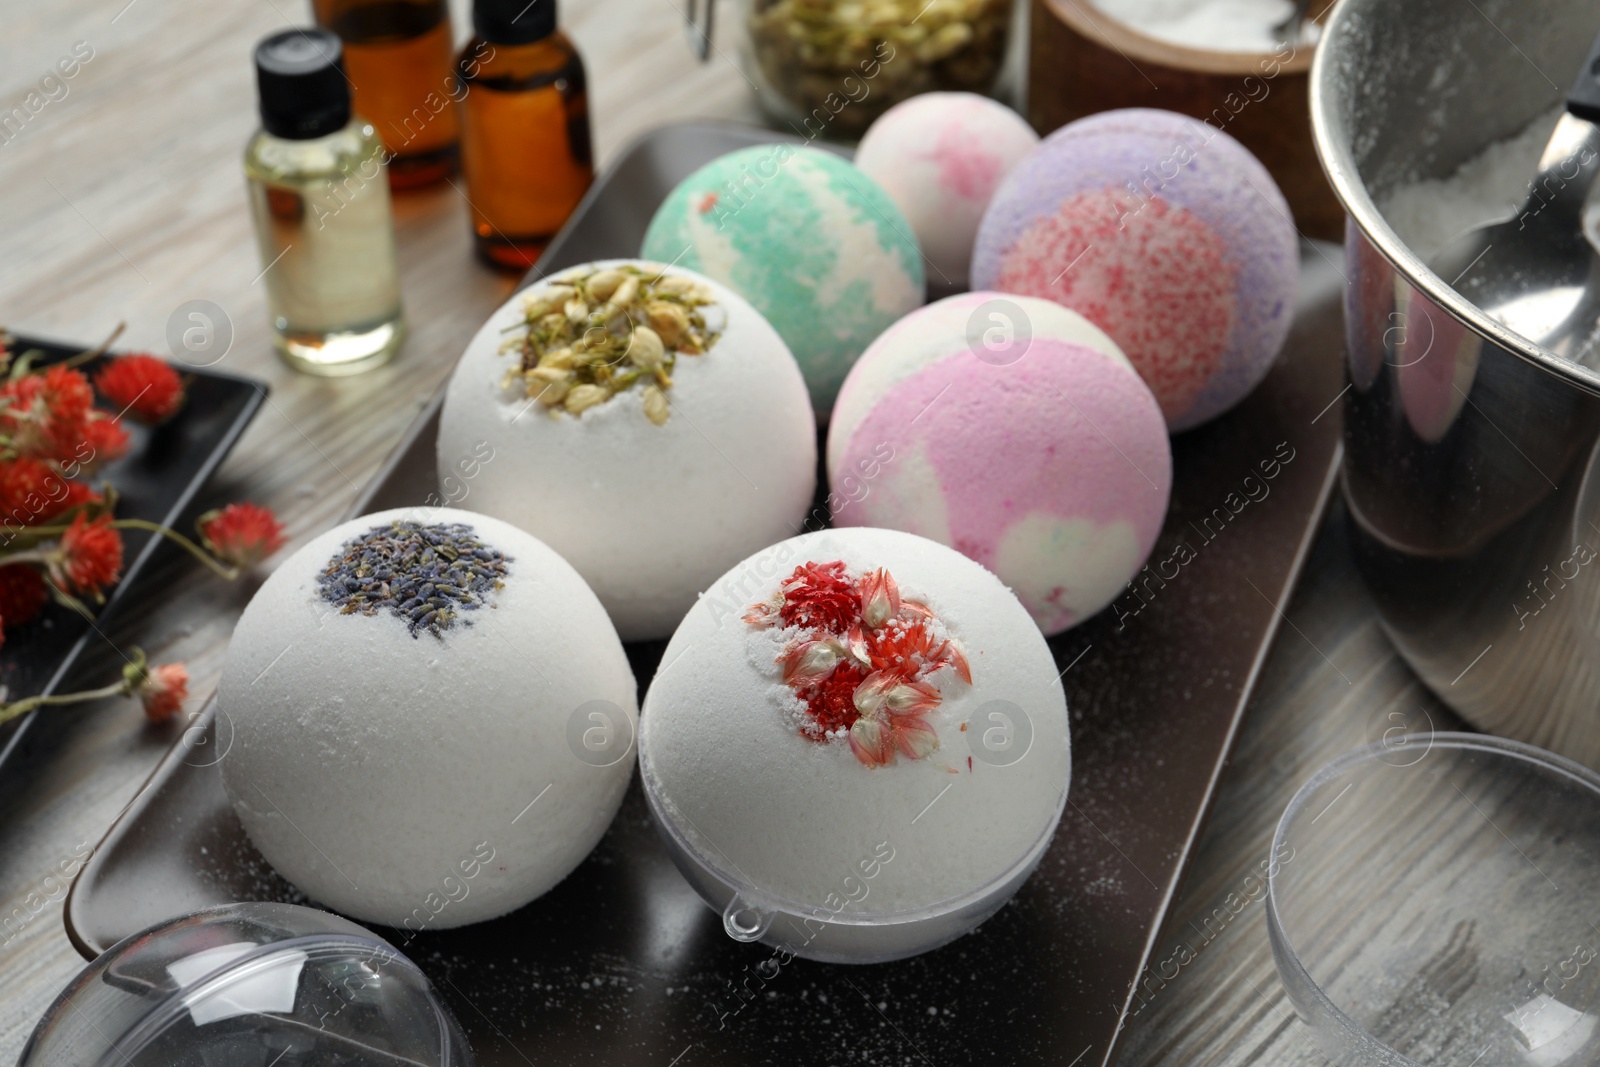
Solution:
(1218, 25)
(1489, 187)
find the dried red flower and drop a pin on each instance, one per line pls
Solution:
(163, 691)
(23, 593)
(89, 557)
(145, 387)
(43, 414)
(831, 703)
(100, 440)
(820, 596)
(862, 666)
(241, 535)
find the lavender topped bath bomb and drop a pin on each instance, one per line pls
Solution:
(811, 241)
(399, 693)
(1164, 232)
(940, 157)
(1015, 431)
(643, 421)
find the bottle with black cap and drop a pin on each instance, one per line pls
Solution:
(524, 129)
(320, 200)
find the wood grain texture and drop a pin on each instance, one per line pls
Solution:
(124, 198)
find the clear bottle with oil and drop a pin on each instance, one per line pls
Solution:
(320, 200)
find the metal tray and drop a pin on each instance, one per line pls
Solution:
(157, 480)
(622, 963)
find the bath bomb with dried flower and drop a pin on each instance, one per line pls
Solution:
(940, 157)
(1166, 233)
(395, 696)
(813, 242)
(1017, 432)
(859, 696)
(644, 421)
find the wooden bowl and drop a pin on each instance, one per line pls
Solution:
(1082, 61)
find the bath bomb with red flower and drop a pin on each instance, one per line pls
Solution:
(1017, 432)
(813, 242)
(644, 421)
(1166, 233)
(940, 157)
(849, 688)
(425, 718)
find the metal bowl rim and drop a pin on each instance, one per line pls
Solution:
(1340, 167)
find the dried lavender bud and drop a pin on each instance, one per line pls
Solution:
(425, 574)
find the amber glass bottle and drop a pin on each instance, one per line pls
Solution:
(398, 56)
(524, 129)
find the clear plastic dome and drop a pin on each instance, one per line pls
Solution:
(249, 985)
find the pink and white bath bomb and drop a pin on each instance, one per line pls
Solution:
(1015, 431)
(1166, 233)
(940, 157)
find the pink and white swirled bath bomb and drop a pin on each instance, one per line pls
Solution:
(1164, 232)
(940, 157)
(1015, 431)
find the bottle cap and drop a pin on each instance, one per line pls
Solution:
(513, 21)
(300, 76)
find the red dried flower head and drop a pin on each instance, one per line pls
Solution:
(89, 557)
(862, 663)
(100, 440)
(23, 593)
(163, 691)
(43, 414)
(820, 596)
(241, 535)
(142, 385)
(34, 493)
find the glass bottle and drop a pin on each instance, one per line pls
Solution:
(398, 54)
(321, 209)
(525, 149)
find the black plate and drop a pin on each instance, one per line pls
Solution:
(622, 964)
(157, 480)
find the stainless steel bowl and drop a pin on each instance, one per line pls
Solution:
(1471, 460)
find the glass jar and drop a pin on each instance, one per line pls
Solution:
(828, 68)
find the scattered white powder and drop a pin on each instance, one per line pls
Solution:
(1219, 25)
(1489, 187)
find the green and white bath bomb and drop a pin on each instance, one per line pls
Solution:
(816, 245)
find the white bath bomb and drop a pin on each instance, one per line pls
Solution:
(394, 713)
(648, 509)
(852, 693)
(940, 157)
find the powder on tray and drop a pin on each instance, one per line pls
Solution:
(1489, 187)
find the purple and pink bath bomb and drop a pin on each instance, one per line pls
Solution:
(1164, 232)
(940, 157)
(1016, 432)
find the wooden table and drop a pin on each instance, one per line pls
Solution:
(124, 198)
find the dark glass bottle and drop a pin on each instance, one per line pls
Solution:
(525, 149)
(398, 55)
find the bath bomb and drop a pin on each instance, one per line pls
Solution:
(1016, 431)
(859, 707)
(940, 157)
(1166, 233)
(816, 245)
(399, 692)
(645, 422)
